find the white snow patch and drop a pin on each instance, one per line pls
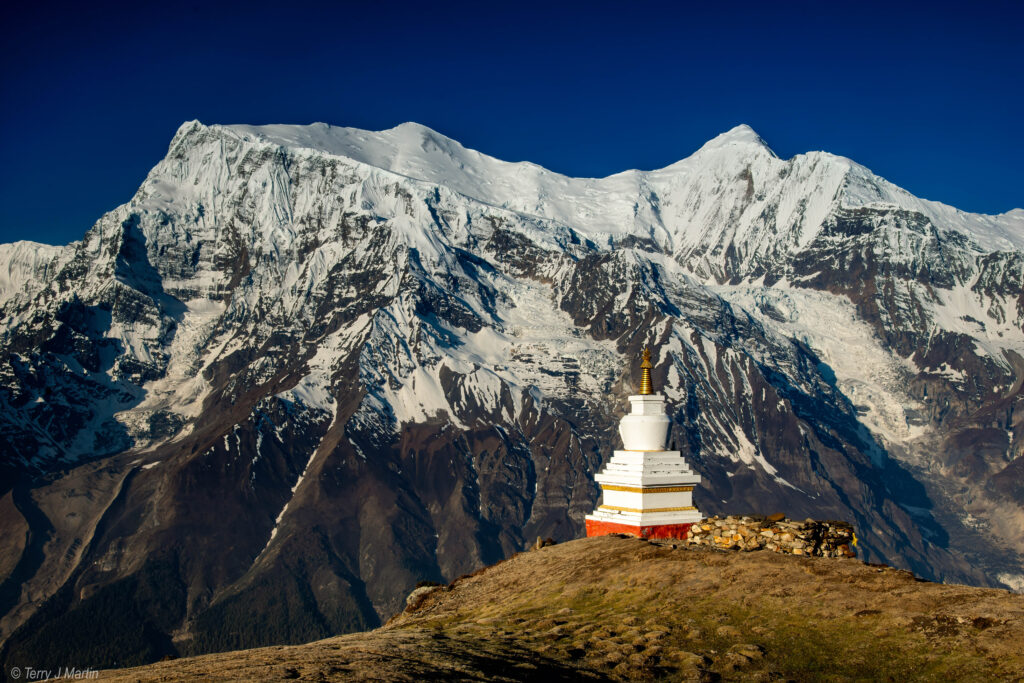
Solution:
(26, 267)
(530, 348)
(748, 454)
(1014, 581)
(865, 372)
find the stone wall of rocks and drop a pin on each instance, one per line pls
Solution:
(775, 533)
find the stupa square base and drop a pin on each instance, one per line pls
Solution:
(596, 527)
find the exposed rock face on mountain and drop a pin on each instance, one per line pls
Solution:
(622, 609)
(306, 367)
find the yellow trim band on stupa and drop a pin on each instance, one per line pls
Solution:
(655, 489)
(618, 509)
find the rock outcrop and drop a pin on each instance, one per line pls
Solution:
(777, 534)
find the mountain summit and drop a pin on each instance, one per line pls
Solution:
(306, 367)
(740, 135)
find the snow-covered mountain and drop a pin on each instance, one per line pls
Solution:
(307, 366)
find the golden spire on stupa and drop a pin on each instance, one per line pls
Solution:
(646, 387)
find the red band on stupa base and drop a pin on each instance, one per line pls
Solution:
(599, 528)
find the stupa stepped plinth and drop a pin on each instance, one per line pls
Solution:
(647, 491)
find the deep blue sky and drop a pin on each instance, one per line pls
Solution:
(930, 97)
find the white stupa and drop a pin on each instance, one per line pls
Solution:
(648, 491)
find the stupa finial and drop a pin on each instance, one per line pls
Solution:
(646, 387)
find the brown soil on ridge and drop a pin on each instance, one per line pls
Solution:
(615, 608)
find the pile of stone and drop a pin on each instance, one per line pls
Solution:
(775, 533)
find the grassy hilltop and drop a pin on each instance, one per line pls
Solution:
(614, 608)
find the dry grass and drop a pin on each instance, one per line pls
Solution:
(622, 609)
